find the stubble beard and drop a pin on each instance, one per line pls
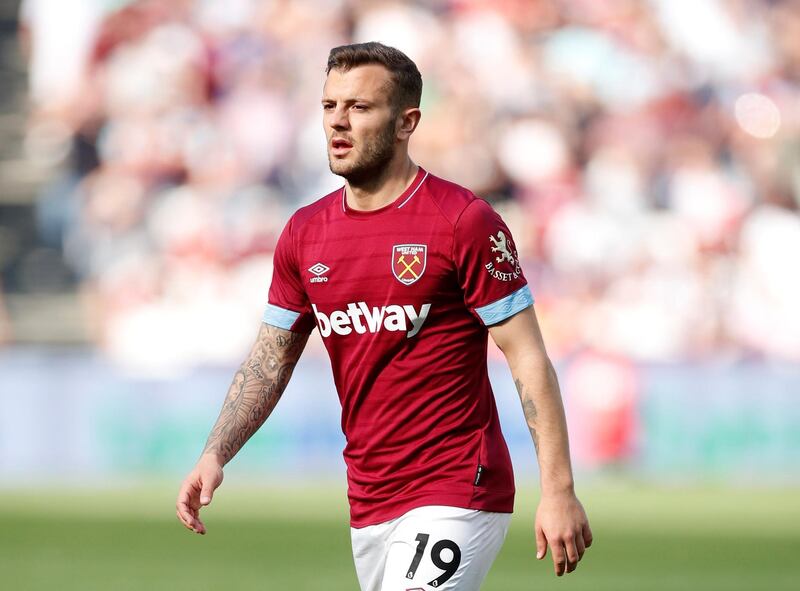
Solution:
(372, 163)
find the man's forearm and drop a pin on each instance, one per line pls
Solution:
(257, 386)
(539, 393)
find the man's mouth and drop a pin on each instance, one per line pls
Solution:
(340, 143)
(340, 146)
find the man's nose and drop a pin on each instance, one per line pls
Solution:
(340, 119)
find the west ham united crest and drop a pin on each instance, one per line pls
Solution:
(408, 262)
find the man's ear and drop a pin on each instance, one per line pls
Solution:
(407, 122)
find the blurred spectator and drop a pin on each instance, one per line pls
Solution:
(646, 156)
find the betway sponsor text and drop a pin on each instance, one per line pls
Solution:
(362, 319)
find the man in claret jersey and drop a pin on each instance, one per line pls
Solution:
(405, 275)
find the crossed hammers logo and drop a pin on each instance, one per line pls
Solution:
(408, 267)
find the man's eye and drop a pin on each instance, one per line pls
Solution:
(327, 106)
(360, 107)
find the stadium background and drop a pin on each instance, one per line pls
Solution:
(646, 155)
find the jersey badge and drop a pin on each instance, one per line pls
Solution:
(408, 262)
(506, 253)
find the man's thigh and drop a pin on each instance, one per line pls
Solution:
(433, 547)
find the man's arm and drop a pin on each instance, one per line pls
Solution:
(561, 521)
(257, 386)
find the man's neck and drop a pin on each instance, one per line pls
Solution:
(382, 189)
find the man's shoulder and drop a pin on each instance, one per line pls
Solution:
(307, 213)
(451, 198)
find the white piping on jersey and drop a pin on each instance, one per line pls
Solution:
(407, 199)
(414, 191)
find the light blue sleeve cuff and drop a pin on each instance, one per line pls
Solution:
(505, 307)
(280, 317)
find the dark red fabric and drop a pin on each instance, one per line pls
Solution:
(418, 411)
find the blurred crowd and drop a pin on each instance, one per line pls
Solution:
(646, 155)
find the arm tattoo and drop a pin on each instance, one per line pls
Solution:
(257, 386)
(529, 409)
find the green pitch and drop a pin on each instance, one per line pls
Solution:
(645, 539)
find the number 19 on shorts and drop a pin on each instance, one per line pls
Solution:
(445, 555)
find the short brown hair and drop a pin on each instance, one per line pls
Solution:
(407, 90)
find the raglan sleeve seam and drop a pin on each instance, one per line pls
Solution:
(453, 243)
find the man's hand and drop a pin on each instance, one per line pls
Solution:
(197, 490)
(256, 388)
(561, 523)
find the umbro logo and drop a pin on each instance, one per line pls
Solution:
(319, 270)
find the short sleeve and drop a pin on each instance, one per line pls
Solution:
(488, 265)
(288, 306)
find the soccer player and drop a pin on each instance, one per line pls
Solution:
(405, 275)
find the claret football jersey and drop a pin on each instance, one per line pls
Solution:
(402, 297)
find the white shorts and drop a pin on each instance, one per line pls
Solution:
(433, 547)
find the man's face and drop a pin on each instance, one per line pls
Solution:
(359, 121)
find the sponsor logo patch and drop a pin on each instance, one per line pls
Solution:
(504, 265)
(408, 262)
